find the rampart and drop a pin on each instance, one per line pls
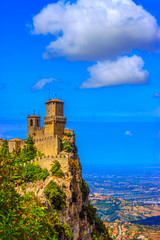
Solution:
(48, 145)
(47, 161)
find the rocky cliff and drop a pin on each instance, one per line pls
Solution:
(65, 171)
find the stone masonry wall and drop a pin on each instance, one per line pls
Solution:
(48, 145)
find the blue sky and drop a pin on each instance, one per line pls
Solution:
(105, 71)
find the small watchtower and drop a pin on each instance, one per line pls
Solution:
(33, 124)
(54, 120)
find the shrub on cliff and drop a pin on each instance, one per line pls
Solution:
(56, 171)
(90, 212)
(85, 189)
(55, 195)
(32, 172)
(100, 232)
(74, 163)
(68, 134)
(66, 231)
(66, 147)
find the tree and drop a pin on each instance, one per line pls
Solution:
(29, 151)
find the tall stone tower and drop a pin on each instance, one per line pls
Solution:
(54, 120)
(33, 124)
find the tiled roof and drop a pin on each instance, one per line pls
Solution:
(15, 140)
(54, 100)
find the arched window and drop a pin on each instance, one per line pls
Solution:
(37, 121)
(31, 122)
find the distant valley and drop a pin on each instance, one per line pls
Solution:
(112, 209)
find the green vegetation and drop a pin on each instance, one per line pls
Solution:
(32, 172)
(100, 231)
(23, 172)
(39, 154)
(66, 147)
(24, 217)
(66, 232)
(55, 195)
(56, 171)
(29, 151)
(85, 189)
(90, 211)
(69, 134)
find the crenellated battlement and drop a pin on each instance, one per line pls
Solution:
(47, 139)
(47, 161)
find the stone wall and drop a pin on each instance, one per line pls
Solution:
(59, 128)
(50, 146)
(47, 161)
(14, 145)
(48, 130)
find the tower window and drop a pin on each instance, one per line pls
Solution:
(31, 122)
(37, 121)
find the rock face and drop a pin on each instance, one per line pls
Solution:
(71, 183)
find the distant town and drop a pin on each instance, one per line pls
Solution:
(128, 201)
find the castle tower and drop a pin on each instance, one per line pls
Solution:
(54, 120)
(33, 124)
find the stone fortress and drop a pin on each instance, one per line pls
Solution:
(47, 139)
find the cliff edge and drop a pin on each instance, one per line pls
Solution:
(75, 208)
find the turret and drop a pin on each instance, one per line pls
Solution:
(54, 120)
(33, 124)
(54, 108)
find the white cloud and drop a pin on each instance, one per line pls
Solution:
(96, 29)
(128, 133)
(40, 84)
(126, 70)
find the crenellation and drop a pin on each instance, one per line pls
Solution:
(47, 139)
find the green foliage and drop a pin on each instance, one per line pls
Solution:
(99, 225)
(39, 154)
(59, 173)
(66, 147)
(55, 195)
(32, 172)
(85, 189)
(90, 211)
(26, 154)
(24, 217)
(69, 134)
(56, 171)
(29, 151)
(18, 157)
(4, 150)
(55, 167)
(100, 231)
(66, 232)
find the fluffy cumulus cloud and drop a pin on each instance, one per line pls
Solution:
(96, 29)
(126, 70)
(40, 84)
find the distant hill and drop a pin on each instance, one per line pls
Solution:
(149, 221)
(111, 209)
